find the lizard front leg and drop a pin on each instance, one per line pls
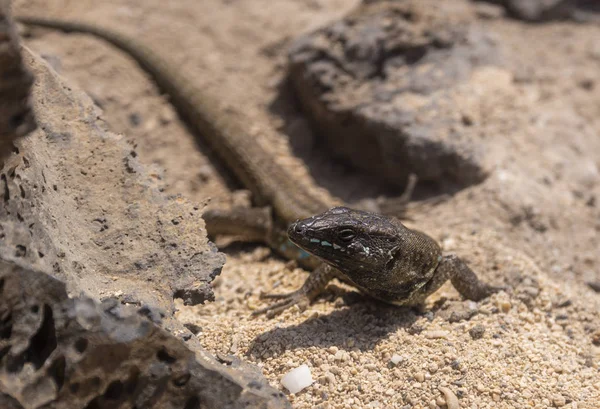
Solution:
(466, 282)
(464, 279)
(256, 224)
(313, 286)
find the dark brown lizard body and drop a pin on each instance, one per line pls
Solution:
(380, 256)
(413, 266)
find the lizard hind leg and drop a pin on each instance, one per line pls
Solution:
(251, 224)
(397, 206)
(390, 206)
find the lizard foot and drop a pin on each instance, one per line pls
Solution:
(288, 300)
(312, 287)
(493, 289)
(484, 291)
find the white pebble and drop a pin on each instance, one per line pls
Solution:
(396, 359)
(436, 334)
(297, 379)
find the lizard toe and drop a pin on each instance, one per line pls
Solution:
(298, 298)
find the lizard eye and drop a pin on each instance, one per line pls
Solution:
(346, 234)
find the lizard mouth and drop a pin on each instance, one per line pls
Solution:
(299, 233)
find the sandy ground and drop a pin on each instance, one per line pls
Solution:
(534, 224)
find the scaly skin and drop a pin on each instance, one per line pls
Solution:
(413, 267)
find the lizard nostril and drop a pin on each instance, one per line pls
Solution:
(298, 228)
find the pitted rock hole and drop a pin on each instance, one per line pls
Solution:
(57, 371)
(6, 326)
(81, 345)
(164, 356)
(192, 403)
(42, 344)
(114, 390)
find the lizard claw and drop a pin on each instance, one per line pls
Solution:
(271, 296)
(288, 300)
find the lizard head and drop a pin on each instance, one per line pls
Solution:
(372, 250)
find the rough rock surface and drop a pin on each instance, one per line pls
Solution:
(77, 204)
(381, 87)
(61, 352)
(16, 115)
(82, 207)
(533, 222)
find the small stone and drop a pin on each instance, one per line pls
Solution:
(596, 338)
(297, 379)
(559, 401)
(464, 314)
(450, 397)
(436, 334)
(419, 377)
(504, 305)
(396, 359)
(477, 331)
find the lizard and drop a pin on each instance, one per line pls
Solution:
(373, 252)
(380, 256)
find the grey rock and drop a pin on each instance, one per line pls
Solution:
(91, 256)
(540, 10)
(61, 352)
(378, 88)
(76, 201)
(477, 332)
(547, 10)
